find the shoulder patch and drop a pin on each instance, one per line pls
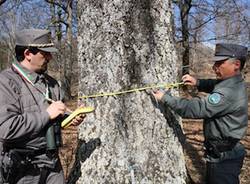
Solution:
(214, 98)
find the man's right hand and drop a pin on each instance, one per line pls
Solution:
(55, 109)
(157, 94)
(189, 80)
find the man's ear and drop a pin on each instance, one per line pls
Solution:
(237, 65)
(27, 54)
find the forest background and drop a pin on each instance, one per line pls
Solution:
(198, 25)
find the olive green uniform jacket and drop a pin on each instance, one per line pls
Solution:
(224, 110)
(23, 116)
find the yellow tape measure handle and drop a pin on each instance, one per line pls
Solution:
(134, 90)
(81, 110)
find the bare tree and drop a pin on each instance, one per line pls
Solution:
(233, 26)
(62, 15)
(184, 7)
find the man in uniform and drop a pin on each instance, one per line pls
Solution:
(224, 110)
(31, 110)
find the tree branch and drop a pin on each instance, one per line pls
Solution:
(61, 21)
(204, 23)
(57, 4)
(245, 19)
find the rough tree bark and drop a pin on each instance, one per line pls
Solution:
(126, 44)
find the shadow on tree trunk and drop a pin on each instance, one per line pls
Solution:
(173, 122)
(84, 150)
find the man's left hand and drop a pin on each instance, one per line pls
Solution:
(78, 119)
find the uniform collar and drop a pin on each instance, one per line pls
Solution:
(33, 76)
(230, 81)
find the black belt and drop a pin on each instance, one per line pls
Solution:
(29, 152)
(214, 148)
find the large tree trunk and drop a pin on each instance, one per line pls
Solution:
(125, 44)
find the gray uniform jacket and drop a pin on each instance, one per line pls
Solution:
(224, 110)
(23, 116)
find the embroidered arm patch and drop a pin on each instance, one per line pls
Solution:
(214, 98)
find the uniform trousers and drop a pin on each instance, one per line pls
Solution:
(224, 172)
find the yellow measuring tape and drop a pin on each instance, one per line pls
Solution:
(83, 110)
(170, 85)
